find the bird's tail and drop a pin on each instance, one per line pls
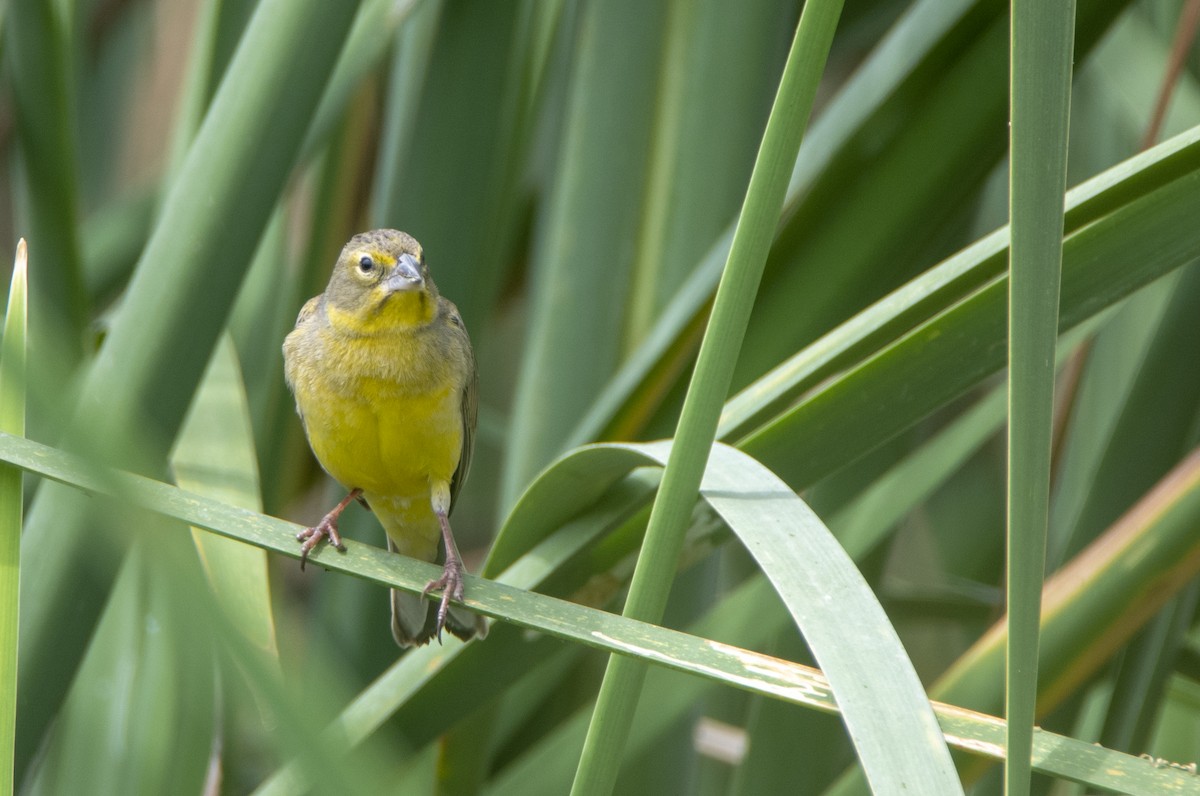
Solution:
(414, 531)
(414, 624)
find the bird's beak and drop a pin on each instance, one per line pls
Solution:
(406, 276)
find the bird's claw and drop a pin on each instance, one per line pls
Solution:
(452, 588)
(325, 529)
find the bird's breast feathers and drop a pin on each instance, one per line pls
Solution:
(380, 415)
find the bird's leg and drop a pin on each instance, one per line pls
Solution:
(451, 581)
(326, 528)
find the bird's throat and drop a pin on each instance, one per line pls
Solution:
(405, 309)
(393, 312)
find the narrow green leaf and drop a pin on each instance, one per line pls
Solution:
(1127, 431)
(863, 524)
(1042, 48)
(1105, 386)
(113, 238)
(1145, 671)
(709, 121)
(373, 31)
(411, 52)
(1152, 429)
(12, 421)
(197, 89)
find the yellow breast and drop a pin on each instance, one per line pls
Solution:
(381, 415)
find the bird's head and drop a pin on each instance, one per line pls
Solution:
(381, 282)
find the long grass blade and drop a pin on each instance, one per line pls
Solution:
(1042, 49)
(12, 421)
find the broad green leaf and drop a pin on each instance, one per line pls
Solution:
(214, 456)
(140, 716)
(894, 732)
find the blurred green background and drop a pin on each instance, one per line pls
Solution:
(186, 172)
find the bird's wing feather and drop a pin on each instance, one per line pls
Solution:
(303, 319)
(470, 408)
(308, 310)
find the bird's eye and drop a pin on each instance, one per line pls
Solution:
(366, 265)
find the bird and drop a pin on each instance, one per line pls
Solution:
(384, 377)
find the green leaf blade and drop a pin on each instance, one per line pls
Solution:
(12, 421)
(1042, 49)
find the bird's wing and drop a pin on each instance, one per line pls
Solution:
(307, 312)
(470, 408)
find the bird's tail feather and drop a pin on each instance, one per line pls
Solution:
(414, 623)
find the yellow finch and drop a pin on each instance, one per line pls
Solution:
(384, 378)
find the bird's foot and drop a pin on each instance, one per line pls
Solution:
(325, 529)
(451, 586)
